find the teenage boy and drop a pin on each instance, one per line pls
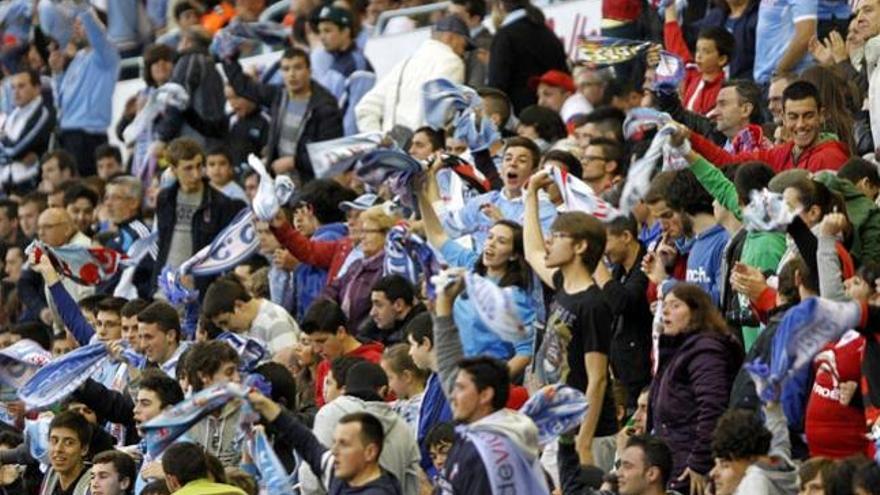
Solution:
(211, 363)
(112, 473)
(69, 437)
(434, 408)
(579, 319)
(326, 326)
(715, 45)
(230, 307)
(520, 160)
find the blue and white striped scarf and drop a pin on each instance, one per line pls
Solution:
(336, 156)
(555, 409)
(59, 378)
(804, 330)
(20, 361)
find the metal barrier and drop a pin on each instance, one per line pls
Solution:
(386, 16)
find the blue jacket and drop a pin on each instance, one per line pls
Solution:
(86, 87)
(704, 260)
(433, 411)
(476, 337)
(309, 280)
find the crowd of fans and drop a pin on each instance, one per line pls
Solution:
(653, 304)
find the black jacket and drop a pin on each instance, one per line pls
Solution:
(213, 214)
(322, 120)
(521, 50)
(195, 71)
(392, 336)
(110, 406)
(626, 294)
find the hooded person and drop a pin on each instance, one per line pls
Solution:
(365, 386)
(495, 449)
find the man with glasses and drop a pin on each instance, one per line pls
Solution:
(579, 324)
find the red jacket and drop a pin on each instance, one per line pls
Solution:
(329, 255)
(693, 79)
(833, 429)
(828, 154)
(622, 10)
(371, 351)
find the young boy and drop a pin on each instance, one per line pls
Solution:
(248, 127)
(221, 173)
(704, 77)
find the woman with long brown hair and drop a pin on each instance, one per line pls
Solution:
(698, 360)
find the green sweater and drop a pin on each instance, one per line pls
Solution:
(863, 214)
(762, 250)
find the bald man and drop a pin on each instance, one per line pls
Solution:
(55, 228)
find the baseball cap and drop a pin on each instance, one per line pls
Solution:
(339, 16)
(453, 24)
(553, 78)
(361, 203)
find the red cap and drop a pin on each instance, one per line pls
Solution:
(554, 78)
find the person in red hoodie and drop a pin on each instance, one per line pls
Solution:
(326, 326)
(809, 148)
(704, 73)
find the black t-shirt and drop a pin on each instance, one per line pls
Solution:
(583, 320)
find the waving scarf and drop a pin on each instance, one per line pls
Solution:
(251, 351)
(20, 361)
(336, 156)
(445, 101)
(60, 377)
(578, 196)
(273, 476)
(169, 95)
(408, 255)
(638, 179)
(804, 330)
(638, 120)
(234, 244)
(669, 73)
(767, 212)
(749, 138)
(161, 431)
(603, 51)
(496, 307)
(478, 135)
(36, 433)
(271, 193)
(82, 264)
(555, 409)
(393, 168)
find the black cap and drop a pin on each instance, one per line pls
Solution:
(339, 16)
(454, 24)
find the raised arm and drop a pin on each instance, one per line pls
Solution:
(70, 313)
(107, 53)
(533, 237)
(427, 195)
(449, 349)
(804, 30)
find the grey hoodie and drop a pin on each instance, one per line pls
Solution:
(217, 434)
(400, 452)
(780, 478)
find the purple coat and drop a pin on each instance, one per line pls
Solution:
(689, 393)
(352, 290)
